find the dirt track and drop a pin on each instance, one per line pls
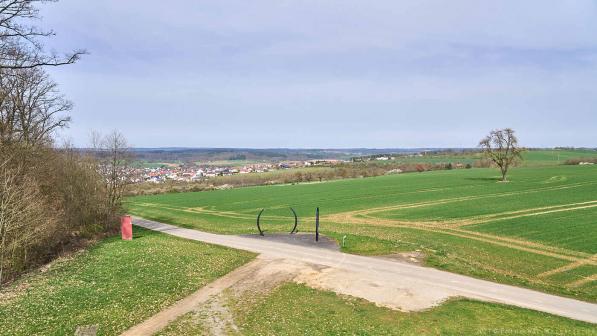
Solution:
(387, 282)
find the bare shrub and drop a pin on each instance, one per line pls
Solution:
(483, 163)
(113, 154)
(22, 218)
(577, 161)
(31, 108)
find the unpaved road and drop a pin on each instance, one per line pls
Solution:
(386, 282)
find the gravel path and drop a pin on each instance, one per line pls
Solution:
(386, 282)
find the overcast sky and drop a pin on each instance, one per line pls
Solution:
(329, 73)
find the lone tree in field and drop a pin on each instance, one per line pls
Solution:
(501, 147)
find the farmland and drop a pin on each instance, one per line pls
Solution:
(535, 231)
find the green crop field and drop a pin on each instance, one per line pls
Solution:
(539, 230)
(114, 285)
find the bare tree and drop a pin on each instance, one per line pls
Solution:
(31, 107)
(114, 157)
(20, 43)
(501, 147)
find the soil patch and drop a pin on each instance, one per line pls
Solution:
(414, 257)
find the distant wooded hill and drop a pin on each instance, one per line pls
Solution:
(268, 154)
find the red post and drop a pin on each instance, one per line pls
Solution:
(126, 227)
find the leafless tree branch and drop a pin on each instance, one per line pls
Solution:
(15, 34)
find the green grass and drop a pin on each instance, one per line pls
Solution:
(115, 284)
(576, 274)
(502, 199)
(298, 310)
(187, 324)
(294, 309)
(455, 195)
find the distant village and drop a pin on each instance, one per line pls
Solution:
(195, 172)
(190, 172)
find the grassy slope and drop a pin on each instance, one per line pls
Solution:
(298, 310)
(115, 284)
(234, 211)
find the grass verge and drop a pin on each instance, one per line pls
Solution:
(294, 309)
(114, 285)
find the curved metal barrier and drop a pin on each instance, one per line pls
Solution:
(294, 229)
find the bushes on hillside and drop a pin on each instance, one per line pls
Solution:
(49, 200)
(483, 163)
(578, 161)
(49, 197)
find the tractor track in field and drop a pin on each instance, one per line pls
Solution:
(582, 282)
(546, 210)
(465, 198)
(534, 211)
(461, 198)
(453, 228)
(203, 211)
(521, 245)
(198, 210)
(237, 215)
(592, 260)
(524, 245)
(466, 221)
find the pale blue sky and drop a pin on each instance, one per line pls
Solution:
(330, 73)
